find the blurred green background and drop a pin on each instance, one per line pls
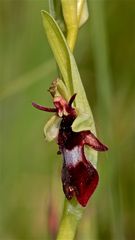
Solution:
(31, 198)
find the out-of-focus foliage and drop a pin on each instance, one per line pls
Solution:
(30, 187)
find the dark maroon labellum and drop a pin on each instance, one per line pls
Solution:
(79, 177)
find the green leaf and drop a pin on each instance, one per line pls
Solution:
(70, 74)
(58, 45)
(81, 99)
(67, 64)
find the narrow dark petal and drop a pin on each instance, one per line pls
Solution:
(42, 108)
(71, 100)
(79, 177)
(93, 142)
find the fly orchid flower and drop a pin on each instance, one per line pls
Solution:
(79, 176)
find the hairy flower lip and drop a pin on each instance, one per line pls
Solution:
(79, 180)
(79, 177)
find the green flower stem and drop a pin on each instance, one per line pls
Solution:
(79, 10)
(70, 16)
(74, 15)
(71, 38)
(72, 214)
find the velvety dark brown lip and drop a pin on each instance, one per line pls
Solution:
(79, 180)
(79, 177)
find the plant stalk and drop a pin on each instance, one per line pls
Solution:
(72, 212)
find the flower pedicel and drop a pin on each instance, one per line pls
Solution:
(79, 177)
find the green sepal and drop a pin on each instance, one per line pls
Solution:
(82, 122)
(51, 128)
